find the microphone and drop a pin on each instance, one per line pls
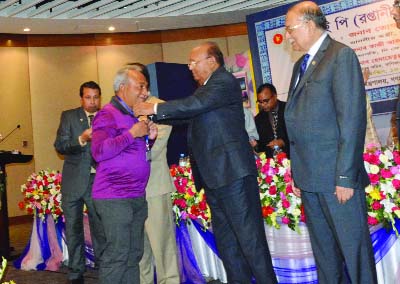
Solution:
(11, 132)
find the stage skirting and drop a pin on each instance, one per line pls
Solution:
(198, 257)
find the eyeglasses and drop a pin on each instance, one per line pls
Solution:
(396, 4)
(193, 63)
(264, 101)
(290, 29)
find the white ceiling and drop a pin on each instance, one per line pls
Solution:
(91, 16)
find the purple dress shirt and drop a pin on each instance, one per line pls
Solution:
(122, 170)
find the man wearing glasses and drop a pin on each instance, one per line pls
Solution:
(225, 163)
(325, 118)
(270, 122)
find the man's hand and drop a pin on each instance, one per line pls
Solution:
(86, 135)
(139, 129)
(343, 194)
(143, 108)
(278, 142)
(153, 130)
(296, 190)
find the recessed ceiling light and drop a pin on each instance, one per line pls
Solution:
(111, 28)
(27, 29)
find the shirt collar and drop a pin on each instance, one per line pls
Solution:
(315, 47)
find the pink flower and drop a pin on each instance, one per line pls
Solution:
(372, 221)
(386, 173)
(285, 220)
(272, 190)
(396, 183)
(285, 203)
(241, 60)
(287, 177)
(394, 170)
(396, 157)
(374, 178)
(371, 158)
(289, 189)
(376, 205)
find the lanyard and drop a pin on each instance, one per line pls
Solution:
(130, 111)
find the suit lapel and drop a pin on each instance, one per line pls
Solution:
(83, 122)
(294, 91)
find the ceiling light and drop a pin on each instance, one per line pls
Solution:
(111, 28)
(27, 29)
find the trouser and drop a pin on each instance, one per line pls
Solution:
(239, 232)
(72, 206)
(123, 222)
(339, 234)
(159, 243)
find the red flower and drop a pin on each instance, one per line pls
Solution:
(30, 210)
(376, 205)
(272, 190)
(374, 178)
(372, 221)
(285, 203)
(386, 173)
(285, 220)
(267, 210)
(396, 183)
(280, 157)
(21, 205)
(289, 189)
(268, 179)
(203, 205)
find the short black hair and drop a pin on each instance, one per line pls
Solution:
(90, 85)
(266, 86)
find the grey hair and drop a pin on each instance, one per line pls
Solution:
(310, 11)
(121, 77)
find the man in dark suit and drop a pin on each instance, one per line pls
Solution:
(225, 163)
(73, 141)
(270, 122)
(326, 120)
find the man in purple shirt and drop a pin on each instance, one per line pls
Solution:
(120, 146)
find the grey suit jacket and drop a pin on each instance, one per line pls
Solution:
(216, 133)
(160, 180)
(77, 163)
(326, 120)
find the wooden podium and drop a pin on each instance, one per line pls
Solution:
(7, 158)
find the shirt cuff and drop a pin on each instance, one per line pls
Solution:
(155, 108)
(81, 142)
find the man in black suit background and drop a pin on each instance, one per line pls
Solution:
(326, 121)
(73, 141)
(270, 122)
(225, 164)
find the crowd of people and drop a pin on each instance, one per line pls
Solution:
(115, 163)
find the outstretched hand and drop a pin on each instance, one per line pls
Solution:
(143, 108)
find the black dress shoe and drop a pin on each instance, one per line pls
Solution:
(77, 281)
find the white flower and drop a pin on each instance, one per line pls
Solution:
(374, 169)
(388, 205)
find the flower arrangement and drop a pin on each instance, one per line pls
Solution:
(278, 203)
(383, 194)
(187, 203)
(3, 269)
(42, 195)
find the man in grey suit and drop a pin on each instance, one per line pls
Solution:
(73, 141)
(225, 163)
(326, 120)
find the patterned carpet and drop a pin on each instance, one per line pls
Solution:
(19, 236)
